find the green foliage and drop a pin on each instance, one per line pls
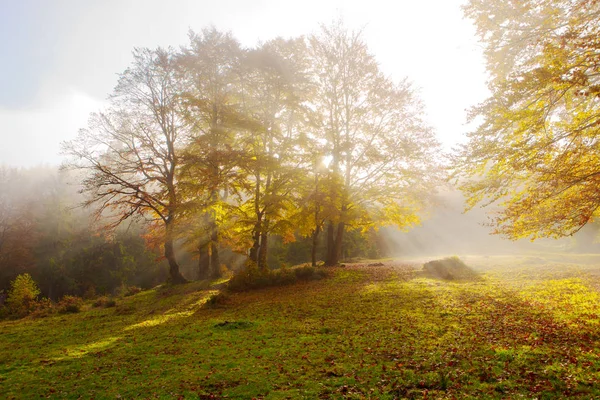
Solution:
(22, 296)
(70, 304)
(4, 312)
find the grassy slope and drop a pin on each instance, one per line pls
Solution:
(366, 332)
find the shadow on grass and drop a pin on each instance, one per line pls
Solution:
(368, 331)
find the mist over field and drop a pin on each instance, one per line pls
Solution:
(451, 231)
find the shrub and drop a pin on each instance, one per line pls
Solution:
(126, 291)
(251, 277)
(70, 304)
(124, 309)
(22, 296)
(43, 308)
(225, 272)
(246, 278)
(305, 273)
(131, 290)
(217, 299)
(104, 302)
(90, 293)
(450, 268)
(282, 276)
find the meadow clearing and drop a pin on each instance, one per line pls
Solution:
(527, 327)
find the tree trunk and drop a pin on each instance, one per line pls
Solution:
(315, 242)
(338, 242)
(215, 262)
(174, 273)
(256, 240)
(258, 225)
(203, 261)
(262, 251)
(331, 259)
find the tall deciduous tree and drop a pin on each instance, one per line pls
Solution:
(383, 155)
(211, 69)
(131, 153)
(314, 204)
(274, 86)
(536, 152)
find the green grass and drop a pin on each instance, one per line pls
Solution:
(523, 331)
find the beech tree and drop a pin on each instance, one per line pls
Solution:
(274, 88)
(130, 154)
(383, 155)
(315, 205)
(535, 153)
(210, 69)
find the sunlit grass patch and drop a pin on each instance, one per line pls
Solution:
(82, 350)
(367, 332)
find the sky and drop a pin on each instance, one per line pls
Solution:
(61, 58)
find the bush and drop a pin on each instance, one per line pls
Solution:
(126, 291)
(131, 290)
(225, 272)
(282, 276)
(217, 299)
(70, 304)
(43, 308)
(22, 296)
(308, 272)
(246, 278)
(124, 309)
(251, 277)
(90, 293)
(104, 302)
(451, 268)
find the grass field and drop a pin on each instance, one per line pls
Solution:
(528, 329)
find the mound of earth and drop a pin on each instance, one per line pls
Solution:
(451, 268)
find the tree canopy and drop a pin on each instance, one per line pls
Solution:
(536, 151)
(131, 153)
(216, 145)
(384, 156)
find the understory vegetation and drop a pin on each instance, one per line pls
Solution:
(528, 327)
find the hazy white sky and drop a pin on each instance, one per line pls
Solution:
(60, 58)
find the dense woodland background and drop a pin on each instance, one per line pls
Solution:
(44, 232)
